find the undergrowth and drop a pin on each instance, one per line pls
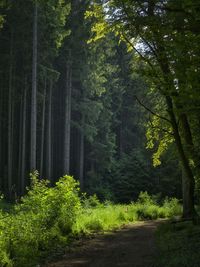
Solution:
(178, 245)
(52, 216)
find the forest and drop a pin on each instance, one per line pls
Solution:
(103, 94)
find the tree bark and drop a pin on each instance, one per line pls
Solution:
(67, 126)
(20, 145)
(1, 130)
(188, 181)
(43, 127)
(34, 93)
(188, 139)
(23, 164)
(81, 156)
(10, 120)
(48, 147)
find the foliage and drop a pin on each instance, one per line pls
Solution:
(148, 207)
(108, 216)
(134, 173)
(43, 219)
(131, 174)
(178, 245)
(161, 32)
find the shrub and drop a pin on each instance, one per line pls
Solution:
(172, 207)
(43, 219)
(145, 198)
(90, 202)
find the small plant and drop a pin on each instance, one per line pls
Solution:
(91, 201)
(145, 198)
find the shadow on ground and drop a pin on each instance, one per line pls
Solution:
(132, 246)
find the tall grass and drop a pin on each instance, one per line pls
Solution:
(103, 217)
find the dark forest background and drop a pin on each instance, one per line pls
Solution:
(68, 105)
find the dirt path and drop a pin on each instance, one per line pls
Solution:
(132, 246)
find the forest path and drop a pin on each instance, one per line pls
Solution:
(132, 246)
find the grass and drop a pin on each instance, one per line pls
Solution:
(109, 216)
(178, 245)
(104, 218)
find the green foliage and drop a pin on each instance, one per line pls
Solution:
(131, 174)
(134, 173)
(145, 199)
(159, 136)
(178, 245)
(148, 207)
(90, 202)
(108, 216)
(43, 219)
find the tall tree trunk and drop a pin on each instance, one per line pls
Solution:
(43, 127)
(23, 163)
(81, 156)
(67, 126)
(48, 148)
(1, 130)
(20, 146)
(188, 140)
(10, 120)
(34, 93)
(188, 182)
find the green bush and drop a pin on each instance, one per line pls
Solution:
(43, 219)
(171, 207)
(90, 202)
(145, 199)
(148, 208)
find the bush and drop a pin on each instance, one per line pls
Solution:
(43, 219)
(145, 199)
(171, 207)
(90, 202)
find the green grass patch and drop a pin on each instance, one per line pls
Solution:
(105, 217)
(178, 245)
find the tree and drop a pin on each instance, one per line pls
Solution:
(33, 147)
(156, 27)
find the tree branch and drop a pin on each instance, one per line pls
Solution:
(151, 111)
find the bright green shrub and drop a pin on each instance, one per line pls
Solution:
(145, 198)
(4, 241)
(171, 207)
(43, 219)
(90, 202)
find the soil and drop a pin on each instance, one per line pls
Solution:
(131, 246)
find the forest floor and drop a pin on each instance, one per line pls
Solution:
(131, 246)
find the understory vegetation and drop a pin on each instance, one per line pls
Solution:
(47, 217)
(178, 245)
